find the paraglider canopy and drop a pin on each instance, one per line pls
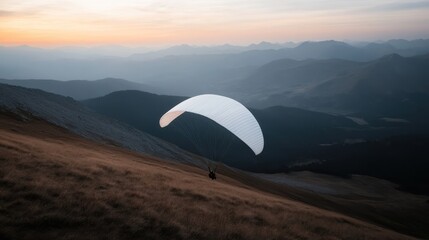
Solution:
(225, 111)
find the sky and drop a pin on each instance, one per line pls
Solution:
(208, 22)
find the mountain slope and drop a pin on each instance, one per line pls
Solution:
(72, 115)
(79, 89)
(57, 185)
(391, 86)
(290, 76)
(387, 75)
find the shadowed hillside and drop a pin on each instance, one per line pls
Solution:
(400, 159)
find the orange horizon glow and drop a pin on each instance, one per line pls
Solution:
(48, 23)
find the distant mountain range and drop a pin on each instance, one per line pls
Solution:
(189, 70)
(186, 49)
(111, 51)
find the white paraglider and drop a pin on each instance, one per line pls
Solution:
(225, 111)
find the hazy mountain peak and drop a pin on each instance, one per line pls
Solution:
(323, 43)
(263, 43)
(182, 46)
(391, 57)
(111, 79)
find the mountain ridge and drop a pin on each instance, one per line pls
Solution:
(70, 114)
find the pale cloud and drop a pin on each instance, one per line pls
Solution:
(400, 6)
(6, 13)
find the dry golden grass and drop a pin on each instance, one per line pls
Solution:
(54, 185)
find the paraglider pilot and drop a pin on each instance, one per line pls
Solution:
(212, 174)
(228, 113)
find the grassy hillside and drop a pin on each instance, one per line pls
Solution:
(55, 185)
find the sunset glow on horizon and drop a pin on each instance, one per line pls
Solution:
(67, 22)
